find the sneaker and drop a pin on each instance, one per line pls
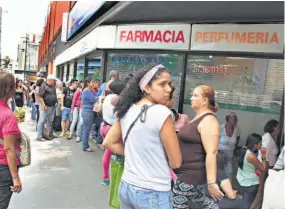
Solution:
(78, 139)
(40, 139)
(69, 137)
(67, 133)
(62, 134)
(105, 182)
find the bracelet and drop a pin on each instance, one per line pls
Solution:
(211, 183)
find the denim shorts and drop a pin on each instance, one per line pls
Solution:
(132, 197)
(66, 113)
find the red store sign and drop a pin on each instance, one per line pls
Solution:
(166, 36)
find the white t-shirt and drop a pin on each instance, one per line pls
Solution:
(108, 110)
(227, 144)
(272, 150)
(146, 165)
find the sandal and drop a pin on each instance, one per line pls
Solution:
(88, 150)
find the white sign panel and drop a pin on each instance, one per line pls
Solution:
(239, 38)
(106, 37)
(86, 44)
(64, 27)
(154, 36)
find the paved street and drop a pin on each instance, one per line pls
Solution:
(61, 176)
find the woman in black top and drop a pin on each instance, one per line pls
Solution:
(20, 94)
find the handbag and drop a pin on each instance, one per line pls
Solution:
(98, 106)
(274, 190)
(117, 167)
(47, 132)
(24, 156)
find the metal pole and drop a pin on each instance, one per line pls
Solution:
(29, 62)
(26, 45)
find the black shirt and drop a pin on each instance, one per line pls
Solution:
(68, 96)
(48, 93)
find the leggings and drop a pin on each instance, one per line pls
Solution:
(104, 129)
(191, 196)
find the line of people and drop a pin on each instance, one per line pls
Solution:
(193, 151)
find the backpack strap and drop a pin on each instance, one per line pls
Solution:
(142, 116)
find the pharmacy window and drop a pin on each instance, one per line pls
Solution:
(130, 63)
(250, 87)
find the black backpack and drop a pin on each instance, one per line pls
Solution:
(56, 125)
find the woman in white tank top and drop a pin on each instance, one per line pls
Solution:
(109, 117)
(151, 146)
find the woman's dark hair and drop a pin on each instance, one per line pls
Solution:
(17, 82)
(133, 94)
(86, 81)
(270, 125)
(171, 93)
(39, 82)
(128, 78)
(251, 141)
(175, 114)
(117, 87)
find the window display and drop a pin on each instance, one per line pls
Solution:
(127, 63)
(250, 87)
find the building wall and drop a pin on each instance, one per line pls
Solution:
(51, 29)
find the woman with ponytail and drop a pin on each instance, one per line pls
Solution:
(199, 141)
(248, 164)
(150, 142)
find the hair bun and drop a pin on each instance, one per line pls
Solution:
(216, 108)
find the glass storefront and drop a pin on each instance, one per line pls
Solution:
(251, 87)
(80, 69)
(127, 63)
(94, 68)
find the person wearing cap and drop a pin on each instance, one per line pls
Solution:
(48, 100)
(114, 74)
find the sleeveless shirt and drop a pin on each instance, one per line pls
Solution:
(193, 169)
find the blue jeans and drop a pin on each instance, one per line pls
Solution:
(132, 197)
(47, 117)
(88, 118)
(34, 111)
(229, 168)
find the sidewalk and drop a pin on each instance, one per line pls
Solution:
(61, 175)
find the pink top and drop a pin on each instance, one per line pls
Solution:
(8, 126)
(76, 101)
(182, 120)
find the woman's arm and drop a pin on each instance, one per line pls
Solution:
(112, 139)
(10, 142)
(209, 129)
(170, 143)
(226, 186)
(90, 97)
(75, 98)
(252, 159)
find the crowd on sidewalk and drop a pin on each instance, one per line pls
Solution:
(171, 160)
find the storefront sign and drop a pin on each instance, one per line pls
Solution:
(214, 70)
(166, 36)
(242, 38)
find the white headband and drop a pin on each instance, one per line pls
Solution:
(148, 76)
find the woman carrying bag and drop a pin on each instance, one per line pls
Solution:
(150, 142)
(9, 131)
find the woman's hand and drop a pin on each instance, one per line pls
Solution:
(215, 192)
(17, 185)
(263, 152)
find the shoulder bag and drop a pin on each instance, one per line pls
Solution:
(117, 167)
